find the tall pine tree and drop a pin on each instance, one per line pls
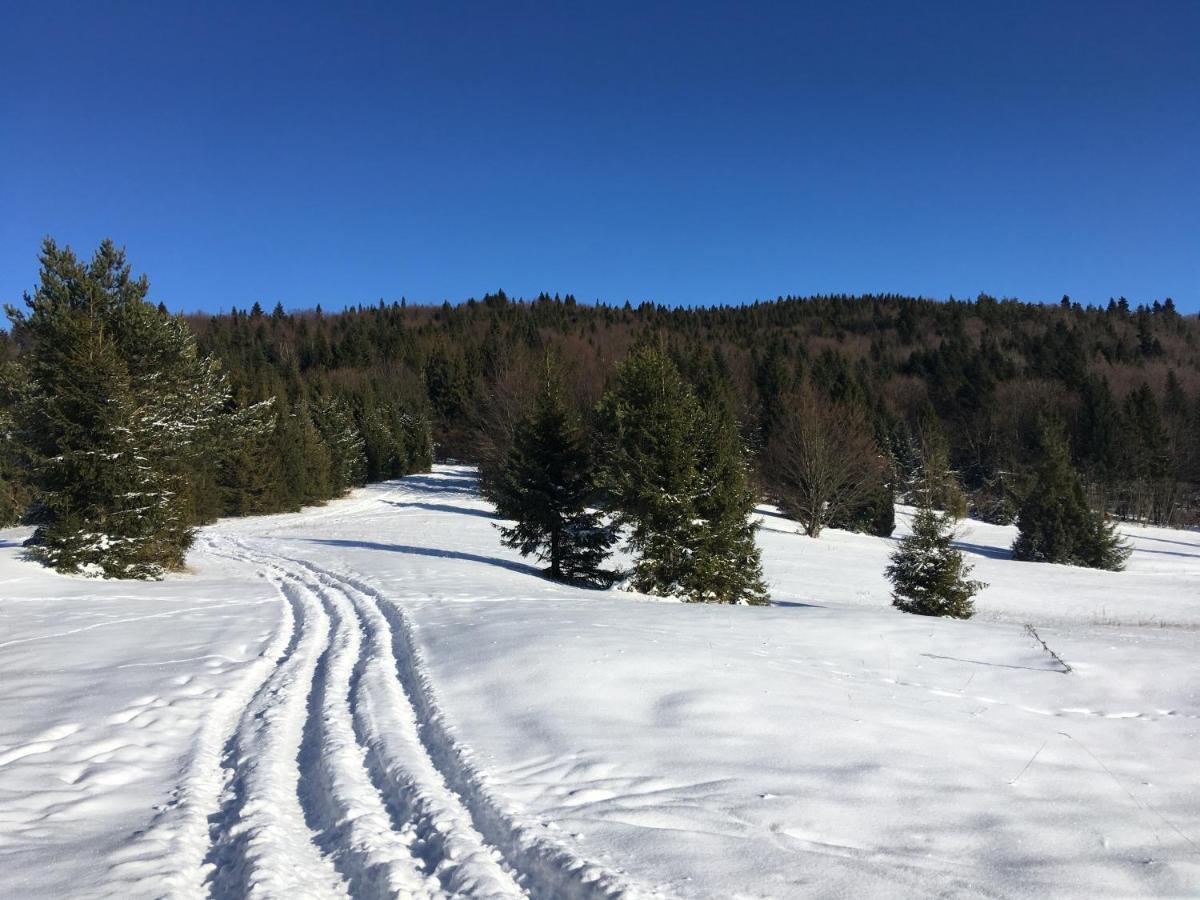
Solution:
(548, 487)
(120, 403)
(675, 473)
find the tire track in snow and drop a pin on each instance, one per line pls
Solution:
(260, 844)
(343, 779)
(547, 869)
(180, 832)
(377, 824)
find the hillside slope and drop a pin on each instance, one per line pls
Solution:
(376, 698)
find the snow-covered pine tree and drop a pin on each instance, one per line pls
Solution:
(1055, 523)
(548, 487)
(347, 454)
(120, 403)
(928, 575)
(656, 443)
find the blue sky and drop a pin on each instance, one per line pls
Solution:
(686, 153)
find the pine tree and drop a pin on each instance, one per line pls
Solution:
(1055, 523)
(676, 477)
(120, 405)
(650, 467)
(347, 454)
(936, 483)
(726, 565)
(548, 487)
(928, 575)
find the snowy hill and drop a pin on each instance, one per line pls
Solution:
(376, 698)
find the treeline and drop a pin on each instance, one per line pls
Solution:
(840, 404)
(121, 434)
(900, 376)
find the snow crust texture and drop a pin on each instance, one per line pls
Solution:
(376, 699)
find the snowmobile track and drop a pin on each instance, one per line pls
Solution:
(343, 778)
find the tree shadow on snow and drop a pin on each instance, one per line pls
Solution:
(448, 483)
(796, 604)
(1193, 544)
(512, 566)
(443, 507)
(984, 550)
(1139, 550)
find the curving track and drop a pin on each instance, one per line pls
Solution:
(335, 774)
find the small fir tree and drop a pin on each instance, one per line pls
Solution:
(347, 453)
(547, 486)
(928, 575)
(1055, 523)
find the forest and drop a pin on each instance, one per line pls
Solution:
(838, 404)
(981, 375)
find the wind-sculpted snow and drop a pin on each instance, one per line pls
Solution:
(377, 699)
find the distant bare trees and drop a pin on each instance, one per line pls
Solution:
(822, 460)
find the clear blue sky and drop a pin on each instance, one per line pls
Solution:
(685, 153)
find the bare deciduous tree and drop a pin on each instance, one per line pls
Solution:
(822, 459)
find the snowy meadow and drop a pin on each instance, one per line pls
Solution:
(377, 698)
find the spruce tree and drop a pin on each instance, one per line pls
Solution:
(347, 453)
(120, 404)
(928, 575)
(936, 483)
(548, 487)
(1055, 523)
(650, 467)
(726, 565)
(675, 474)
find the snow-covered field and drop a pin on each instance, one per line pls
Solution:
(376, 698)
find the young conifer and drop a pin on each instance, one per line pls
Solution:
(1055, 523)
(547, 486)
(928, 575)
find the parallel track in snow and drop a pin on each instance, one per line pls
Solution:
(341, 777)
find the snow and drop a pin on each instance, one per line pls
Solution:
(376, 698)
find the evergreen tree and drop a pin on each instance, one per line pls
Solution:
(650, 467)
(936, 483)
(928, 575)
(14, 491)
(347, 453)
(120, 404)
(548, 488)
(726, 565)
(676, 476)
(1055, 523)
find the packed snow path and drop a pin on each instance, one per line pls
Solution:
(376, 699)
(346, 742)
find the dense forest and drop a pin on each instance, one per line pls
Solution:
(839, 404)
(979, 377)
